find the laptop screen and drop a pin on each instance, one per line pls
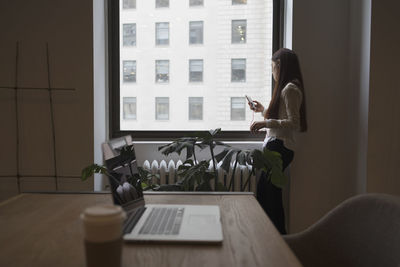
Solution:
(125, 184)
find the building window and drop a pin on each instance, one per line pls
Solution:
(195, 108)
(162, 71)
(195, 70)
(129, 4)
(162, 33)
(239, 31)
(129, 108)
(238, 67)
(184, 49)
(162, 108)
(129, 70)
(195, 32)
(129, 34)
(162, 3)
(238, 108)
(196, 2)
(239, 2)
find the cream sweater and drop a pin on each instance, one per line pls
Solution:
(289, 116)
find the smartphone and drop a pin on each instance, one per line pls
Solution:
(250, 101)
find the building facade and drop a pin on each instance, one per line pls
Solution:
(188, 64)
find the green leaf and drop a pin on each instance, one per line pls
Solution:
(271, 163)
(278, 178)
(92, 169)
(226, 162)
(221, 155)
(178, 145)
(204, 186)
(215, 132)
(201, 146)
(219, 143)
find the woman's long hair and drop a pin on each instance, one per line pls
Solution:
(289, 72)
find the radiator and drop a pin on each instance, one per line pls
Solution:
(168, 174)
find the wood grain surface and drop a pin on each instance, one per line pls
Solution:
(45, 230)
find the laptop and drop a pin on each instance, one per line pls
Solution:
(160, 223)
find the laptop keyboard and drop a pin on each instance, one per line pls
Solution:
(163, 221)
(132, 220)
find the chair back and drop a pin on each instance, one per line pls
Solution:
(362, 231)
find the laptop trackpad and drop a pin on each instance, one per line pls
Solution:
(201, 219)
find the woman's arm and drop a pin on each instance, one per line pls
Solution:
(292, 98)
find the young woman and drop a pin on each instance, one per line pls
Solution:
(285, 114)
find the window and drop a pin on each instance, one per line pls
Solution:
(196, 2)
(193, 56)
(162, 108)
(129, 108)
(238, 67)
(129, 4)
(239, 31)
(162, 71)
(196, 32)
(195, 108)
(129, 34)
(195, 70)
(238, 108)
(162, 33)
(162, 3)
(129, 70)
(239, 2)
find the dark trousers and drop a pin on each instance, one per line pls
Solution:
(268, 195)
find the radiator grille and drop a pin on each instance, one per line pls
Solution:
(168, 175)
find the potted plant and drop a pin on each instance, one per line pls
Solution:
(197, 175)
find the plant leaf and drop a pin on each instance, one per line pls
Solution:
(92, 169)
(226, 162)
(221, 155)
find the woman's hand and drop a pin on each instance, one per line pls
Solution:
(258, 106)
(257, 126)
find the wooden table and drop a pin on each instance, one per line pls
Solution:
(45, 230)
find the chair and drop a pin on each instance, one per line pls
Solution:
(362, 231)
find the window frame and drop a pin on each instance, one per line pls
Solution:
(245, 70)
(123, 37)
(156, 70)
(123, 73)
(155, 3)
(202, 107)
(238, 4)
(202, 31)
(123, 110)
(161, 102)
(244, 103)
(128, 8)
(114, 81)
(157, 33)
(233, 31)
(190, 70)
(190, 5)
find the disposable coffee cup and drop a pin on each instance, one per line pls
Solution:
(103, 235)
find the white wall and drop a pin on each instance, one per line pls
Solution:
(100, 90)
